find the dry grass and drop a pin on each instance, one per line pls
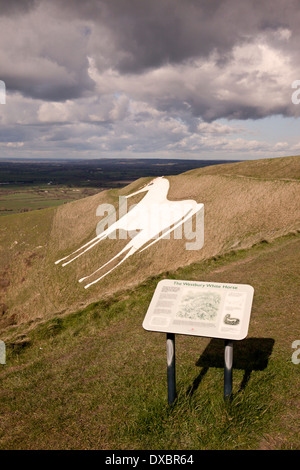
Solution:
(244, 203)
(96, 380)
(268, 168)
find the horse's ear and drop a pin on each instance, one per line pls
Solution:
(143, 189)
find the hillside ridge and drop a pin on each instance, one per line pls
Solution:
(239, 212)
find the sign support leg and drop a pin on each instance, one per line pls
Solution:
(171, 368)
(228, 360)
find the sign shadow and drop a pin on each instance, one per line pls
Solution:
(248, 355)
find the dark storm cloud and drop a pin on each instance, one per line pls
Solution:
(16, 7)
(51, 88)
(152, 69)
(145, 34)
(40, 56)
(130, 36)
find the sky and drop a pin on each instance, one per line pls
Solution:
(193, 79)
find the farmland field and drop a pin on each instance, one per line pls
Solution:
(27, 186)
(19, 199)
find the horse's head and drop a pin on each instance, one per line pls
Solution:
(149, 186)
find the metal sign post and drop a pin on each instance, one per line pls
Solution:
(228, 361)
(171, 373)
(171, 370)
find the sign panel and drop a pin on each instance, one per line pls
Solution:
(210, 309)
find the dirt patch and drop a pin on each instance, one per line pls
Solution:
(4, 283)
(3, 309)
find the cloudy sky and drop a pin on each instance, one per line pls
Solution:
(150, 78)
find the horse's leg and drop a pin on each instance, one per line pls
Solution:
(133, 249)
(182, 221)
(79, 249)
(98, 239)
(103, 266)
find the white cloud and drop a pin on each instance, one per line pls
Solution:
(217, 128)
(69, 86)
(255, 82)
(12, 144)
(284, 34)
(56, 111)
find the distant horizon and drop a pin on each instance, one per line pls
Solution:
(72, 159)
(65, 159)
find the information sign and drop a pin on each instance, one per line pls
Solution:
(210, 309)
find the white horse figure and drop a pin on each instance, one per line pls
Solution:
(152, 216)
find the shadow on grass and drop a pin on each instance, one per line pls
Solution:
(248, 355)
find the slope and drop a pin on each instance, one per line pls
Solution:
(95, 379)
(244, 203)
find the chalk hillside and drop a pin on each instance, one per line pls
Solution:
(244, 203)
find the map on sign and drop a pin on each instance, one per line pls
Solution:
(209, 309)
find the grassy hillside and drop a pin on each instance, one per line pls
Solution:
(268, 168)
(16, 199)
(95, 379)
(244, 202)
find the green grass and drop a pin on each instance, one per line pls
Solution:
(15, 199)
(96, 380)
